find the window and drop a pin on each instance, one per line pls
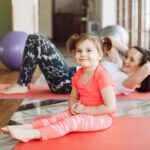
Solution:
(134, 15)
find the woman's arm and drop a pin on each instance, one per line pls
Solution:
(114, 56)
(112, 47)
(118, 45)
(109, 105)
(135, 79)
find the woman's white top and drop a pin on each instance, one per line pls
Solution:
(118, 76)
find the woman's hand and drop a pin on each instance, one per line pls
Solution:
(107, 44)
(108, 52)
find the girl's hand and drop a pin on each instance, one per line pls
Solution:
(72, 109)
(108, 52)
(78, 108)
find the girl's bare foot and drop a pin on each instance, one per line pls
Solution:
(5, 130)
(25, 135)
(15, 88)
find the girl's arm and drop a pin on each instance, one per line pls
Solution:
(135, 79)
(73, 98)
(109, 105)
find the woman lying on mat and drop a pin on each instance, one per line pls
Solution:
(130, 73)
(91, 108)
(132, 70)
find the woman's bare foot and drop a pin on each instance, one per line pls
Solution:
(15, 88)
(5, 130)
(24, 135)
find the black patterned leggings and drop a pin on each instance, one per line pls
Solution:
(40, 50)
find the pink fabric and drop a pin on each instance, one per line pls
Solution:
(90, 93)
(62, 123)
(49, 120)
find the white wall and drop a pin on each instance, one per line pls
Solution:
(25, 16)
(109, 9)
(105, 12)
(45, 17)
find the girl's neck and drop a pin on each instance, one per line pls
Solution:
(89, 70)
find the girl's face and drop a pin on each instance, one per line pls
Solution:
(87, 54)
(131, 61)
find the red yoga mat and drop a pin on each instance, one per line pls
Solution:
(126, 133)
(43, 92)
(134, 96)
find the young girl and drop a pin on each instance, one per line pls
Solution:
(92, 101)
(131, 72)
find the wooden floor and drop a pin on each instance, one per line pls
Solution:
(8, 107)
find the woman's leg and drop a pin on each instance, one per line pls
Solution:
(54, 67)
(39, 50)
(51, 62)
(29, 62)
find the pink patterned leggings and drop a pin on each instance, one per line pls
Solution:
(63, 123)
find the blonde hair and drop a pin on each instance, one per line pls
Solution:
(75, 39)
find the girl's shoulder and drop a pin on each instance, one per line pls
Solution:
(101, 71)
(103, 78)
(78, 73)
(79, 70)
(101, 74)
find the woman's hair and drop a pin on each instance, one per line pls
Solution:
(75, 39)
(145, 84)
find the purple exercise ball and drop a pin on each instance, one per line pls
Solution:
(12, 48)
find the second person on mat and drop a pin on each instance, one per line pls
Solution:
(130, 73)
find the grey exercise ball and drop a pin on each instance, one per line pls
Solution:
(116, 31)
